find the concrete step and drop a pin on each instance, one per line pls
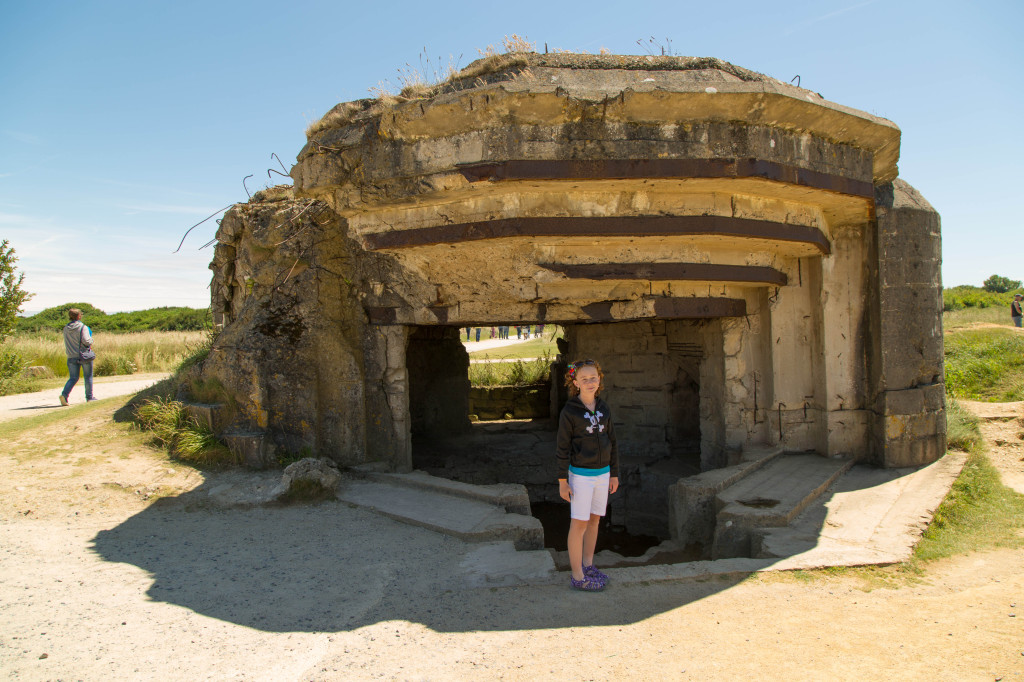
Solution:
(770, 497)
(467, 519)
(511, 497)
(869, 516)
(692, 508)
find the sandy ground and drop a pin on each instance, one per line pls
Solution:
(106, 573)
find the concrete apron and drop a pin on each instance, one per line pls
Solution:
(867, 517)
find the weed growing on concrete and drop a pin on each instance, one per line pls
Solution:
(430, 78)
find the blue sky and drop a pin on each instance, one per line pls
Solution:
(122, 124)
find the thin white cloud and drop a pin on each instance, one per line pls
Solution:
(825, 17)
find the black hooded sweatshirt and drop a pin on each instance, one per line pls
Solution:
(586, 440)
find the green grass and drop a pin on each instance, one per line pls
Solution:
(985, 364)
(968, 317)
(962, 432)
(978, 513)
(515, 373)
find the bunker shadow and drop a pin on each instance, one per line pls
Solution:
(329, 567)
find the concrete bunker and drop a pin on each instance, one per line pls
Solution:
(737, 252)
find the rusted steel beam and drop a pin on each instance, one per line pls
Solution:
(629, 169)
(705, 272)
(600, 311)
(600, 226)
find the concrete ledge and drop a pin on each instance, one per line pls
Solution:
(251, 448)
(467, 519)
(692, 506)
(772, 497)
(207, 414)
(499, 564)
(511, 497)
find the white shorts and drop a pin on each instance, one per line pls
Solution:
(589, 495)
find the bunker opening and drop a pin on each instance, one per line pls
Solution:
(506, 434)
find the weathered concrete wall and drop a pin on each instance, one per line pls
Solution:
(517, 402)
(906, 361)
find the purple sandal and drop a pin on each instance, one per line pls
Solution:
(594, 574)
(587, 584)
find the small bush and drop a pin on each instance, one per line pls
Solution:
(11, 366)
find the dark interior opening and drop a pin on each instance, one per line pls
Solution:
(654, 452)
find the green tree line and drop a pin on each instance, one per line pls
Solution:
(168, 319)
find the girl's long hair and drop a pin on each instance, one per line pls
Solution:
(570, 375)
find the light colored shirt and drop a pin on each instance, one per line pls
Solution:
(77, 338)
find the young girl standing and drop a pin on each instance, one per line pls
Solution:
(588, 468)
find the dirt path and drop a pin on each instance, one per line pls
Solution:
(27, 404)
(99, 580)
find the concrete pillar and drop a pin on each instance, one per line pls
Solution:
(396, 388)
(844, 331)
(906, 355)
(794, 412)
(712, 398)
(388, 438)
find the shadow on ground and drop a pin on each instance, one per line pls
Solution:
(329, 567)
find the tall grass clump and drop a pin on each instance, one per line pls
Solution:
(182, 434)
(985, 364)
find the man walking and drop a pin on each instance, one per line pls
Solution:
(1015, 311)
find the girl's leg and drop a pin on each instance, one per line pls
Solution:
(577, 530)
(589, 539)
